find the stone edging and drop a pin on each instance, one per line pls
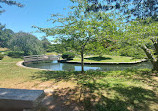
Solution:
(20, 64)
(105, 63)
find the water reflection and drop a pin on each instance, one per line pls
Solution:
(54, 65)
(68, 67)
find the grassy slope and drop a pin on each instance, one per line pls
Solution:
(106, 58)
(117, 90)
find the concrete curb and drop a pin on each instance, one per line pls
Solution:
(20, 64)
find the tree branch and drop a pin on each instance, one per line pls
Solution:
(149, 54)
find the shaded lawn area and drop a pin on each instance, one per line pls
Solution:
(106, 58)
(129, 90)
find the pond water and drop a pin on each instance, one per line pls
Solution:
(56, 66)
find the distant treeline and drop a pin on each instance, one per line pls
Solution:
(22, 41)
(28, 44)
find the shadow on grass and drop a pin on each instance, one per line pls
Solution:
(66, 75)
(98, 58)
(94, 93)
(145, 76)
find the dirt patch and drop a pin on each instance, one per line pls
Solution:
(61, 100)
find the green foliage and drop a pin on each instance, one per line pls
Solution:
(140, 32)
(46, 44)
(27, 43)
(16, 54)
(68, 55)
(5, 36)
(79, 29)
(143, 34)
(1, 56)
(126, 8)
(9, 2)
(58, 48)
(131, 51)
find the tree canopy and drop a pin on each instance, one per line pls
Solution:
(5, 36)
(79, 29)
(27, 43)
(144, 34)
(127, 8)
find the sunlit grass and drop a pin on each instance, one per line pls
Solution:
(106, 58)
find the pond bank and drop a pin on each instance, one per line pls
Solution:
(104, 63)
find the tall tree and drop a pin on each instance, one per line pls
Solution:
(79, 28)
(5, 36)
(10, 2)
(27, 43)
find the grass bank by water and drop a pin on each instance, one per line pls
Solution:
(106, 58)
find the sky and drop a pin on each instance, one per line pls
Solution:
(34, 13)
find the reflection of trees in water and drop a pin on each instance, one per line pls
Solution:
(68, 67)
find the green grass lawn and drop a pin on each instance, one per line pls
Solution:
(129, 90)
(106, 58)
(51, 53)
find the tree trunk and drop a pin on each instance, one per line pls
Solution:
(152, 59)
(155, 66)
(82, 61)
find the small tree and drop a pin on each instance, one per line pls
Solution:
(79, 28)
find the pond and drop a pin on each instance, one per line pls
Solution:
(56, 66)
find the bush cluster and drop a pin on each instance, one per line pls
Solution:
(68, 55)
(1, 56)
(16, 54)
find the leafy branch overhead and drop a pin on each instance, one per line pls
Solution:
(10, 2)
(127, 8)
(81, 29)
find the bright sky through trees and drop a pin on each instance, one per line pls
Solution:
(35, 12)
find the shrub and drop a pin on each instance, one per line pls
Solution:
(68, 55)
(16, 54)
(1, 56)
